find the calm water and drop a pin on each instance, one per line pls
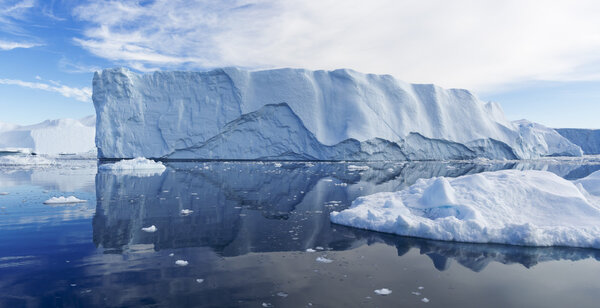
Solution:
(247, 238)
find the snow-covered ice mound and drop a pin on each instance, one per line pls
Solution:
(138, 166)
(531, 208)
(591, 183)
(25, 160)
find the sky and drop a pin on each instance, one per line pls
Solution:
(539, 59)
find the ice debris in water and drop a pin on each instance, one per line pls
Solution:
(310, 250)
(357, 168)
(530, 208)
(3, 193)
(421, 288)
(186, 212)
(267, 305)
(199, 280)
(181, 262)
(63, 200)
(138, 163)
(425, 300)
(383, 291)
(282, 294)
(150, 229)
(324, 260)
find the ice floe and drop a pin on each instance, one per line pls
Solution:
(64, 200)
(138, 166)
(383, 291)
(181, 262)
(150, 229)
(530, 208)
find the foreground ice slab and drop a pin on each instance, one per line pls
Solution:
(530, 208)
(301, 114)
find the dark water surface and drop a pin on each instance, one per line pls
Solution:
(247, 239)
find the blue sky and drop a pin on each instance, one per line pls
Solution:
(539, 60)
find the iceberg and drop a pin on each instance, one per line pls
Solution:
(587, 139)
(298, 114)
(52, 137)
(528, 208)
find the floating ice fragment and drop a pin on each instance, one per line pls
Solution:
(319, 248)
(186, 212)
(267, 305)
(199, 280)
(3, 193)
(310, 250)
(181, 262)
(150, 229)
(171, 254)
(324, 260)
(421, 288)
(416, 293)
(357, 168)
(383, 291)
(63, 200)
(282, 294)
(425, 300)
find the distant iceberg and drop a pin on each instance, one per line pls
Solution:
(53, 137)
(529, 208)
(297, 114)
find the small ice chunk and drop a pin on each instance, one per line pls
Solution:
(186, 212)
(282, 294)
(421, 288)
(171, 254)
(181, 262)
(357, 168)
(3, 193)
(64, 200)
(425, 300)
(416, 293)
(199, 280)
(324, 260)
(383, 291)
(267, 305)
(310, 250)
(150, 229)
(319, 248)
(277, 165)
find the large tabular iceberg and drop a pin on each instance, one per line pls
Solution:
(301, 114)
(530, 208)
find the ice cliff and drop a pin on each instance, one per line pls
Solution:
(300, 114)
(587, 139)
(62, 136)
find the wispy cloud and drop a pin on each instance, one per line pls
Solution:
(4, 45)
(81, 94)
(481, 44)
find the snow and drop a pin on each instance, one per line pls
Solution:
(530, 208)
(383, 291)
(591, 183)
(25, 160)
(53, 137)
(64, 200)
(139, 166)
(181, 262)
(150, 229)
(297, 114)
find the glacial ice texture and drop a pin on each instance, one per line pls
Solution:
(529, 208)
(297, 114)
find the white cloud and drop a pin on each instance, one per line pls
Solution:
(4, 45)
(474, 44)
(81, 94)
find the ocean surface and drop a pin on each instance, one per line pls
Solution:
(257, 234)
